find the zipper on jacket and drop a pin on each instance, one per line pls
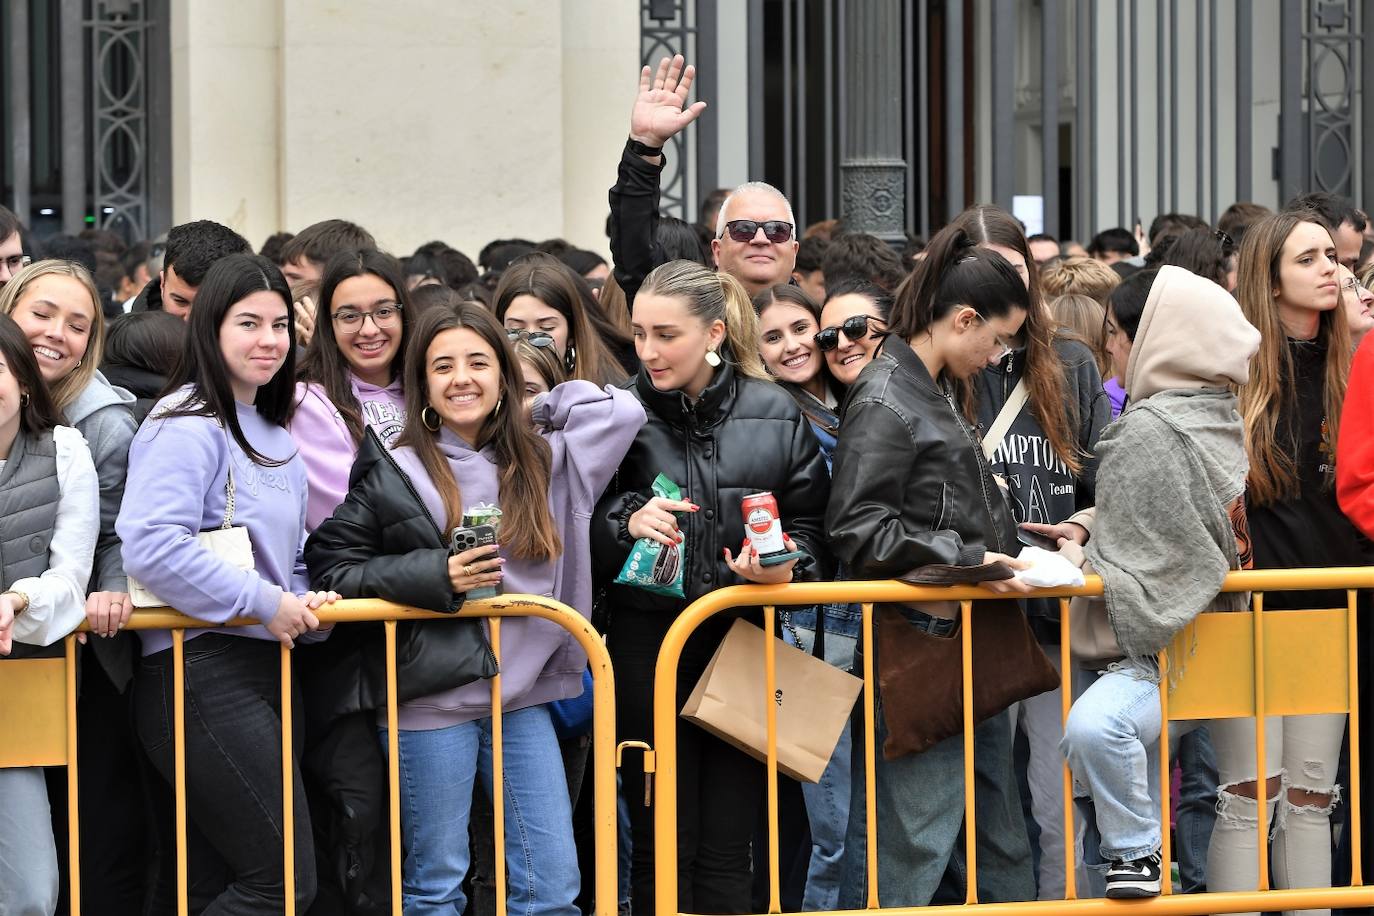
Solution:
(1006, 377)
(982, 469)
(386, 452)
(439, 532)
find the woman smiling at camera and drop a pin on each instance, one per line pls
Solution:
(721, 431)
(47, 484)
(469, 443)
(216, 452)
(350, 378)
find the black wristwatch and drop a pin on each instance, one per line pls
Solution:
(643, 149)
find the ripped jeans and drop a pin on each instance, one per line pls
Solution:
(1304, 752)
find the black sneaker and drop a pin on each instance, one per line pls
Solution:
(1134, 877)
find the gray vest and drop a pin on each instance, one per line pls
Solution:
(29, 496)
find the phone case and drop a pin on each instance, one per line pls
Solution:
(467, 538)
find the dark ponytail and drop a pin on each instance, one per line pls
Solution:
(956, 273)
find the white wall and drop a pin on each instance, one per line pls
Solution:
(461, 121)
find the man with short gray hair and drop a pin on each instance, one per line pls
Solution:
(755, 232)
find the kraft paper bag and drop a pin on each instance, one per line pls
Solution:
(813, 700)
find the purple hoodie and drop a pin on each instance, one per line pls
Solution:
(325, 445)
(175, 488)
(590, 430)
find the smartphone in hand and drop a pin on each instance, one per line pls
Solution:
(466, 538)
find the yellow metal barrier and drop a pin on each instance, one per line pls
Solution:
(1241, 664)
(42, 730)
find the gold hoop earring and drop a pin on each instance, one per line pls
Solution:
(497, 409)
(425, 413)
(23, 399)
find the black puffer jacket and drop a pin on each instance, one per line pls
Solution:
(382, 543)
(740, 437)
(911, 487)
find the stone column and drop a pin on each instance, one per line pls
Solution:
(872, 167)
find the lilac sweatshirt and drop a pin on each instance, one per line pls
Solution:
(1116, 394)
(177, 472)
(590, 430)
(325, 446)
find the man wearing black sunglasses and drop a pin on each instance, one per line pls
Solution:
(755, 232)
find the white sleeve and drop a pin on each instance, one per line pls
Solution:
(57, 598)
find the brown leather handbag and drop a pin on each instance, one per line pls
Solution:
(921, 675)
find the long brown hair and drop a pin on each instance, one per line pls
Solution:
(553, 283)
(524, 460)
(1273, 468)
(324, 363)
(1044, 372)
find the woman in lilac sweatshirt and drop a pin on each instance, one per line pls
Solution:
(350, 377)
(468, 442)
(221, 435)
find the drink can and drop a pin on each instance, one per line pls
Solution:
(482, 515)
(762, 524)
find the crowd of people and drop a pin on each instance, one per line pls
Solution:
(258, 435)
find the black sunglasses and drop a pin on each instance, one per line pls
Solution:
(533, 338)
(744, 230)
(854, 327)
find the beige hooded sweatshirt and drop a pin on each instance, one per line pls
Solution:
(1172, 465)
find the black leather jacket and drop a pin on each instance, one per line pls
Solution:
(911, 487)
(382, 543)
(740, 437)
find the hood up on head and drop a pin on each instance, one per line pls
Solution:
(1192, 334)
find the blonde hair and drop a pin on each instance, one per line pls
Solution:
(712, 296)
(1273, 471)
(66, 389)
(1079, 277)
(1083, 316)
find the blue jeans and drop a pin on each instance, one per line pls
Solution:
(1112, 744)
(437, 768)
(1197, 807)
(920, 805)
(28, 856)
(827, 801)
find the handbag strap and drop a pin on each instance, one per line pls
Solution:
(1005, 417)
(228, 521)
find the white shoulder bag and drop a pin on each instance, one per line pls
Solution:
(229, 542)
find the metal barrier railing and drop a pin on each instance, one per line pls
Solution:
(1244, 665)
(45, 726)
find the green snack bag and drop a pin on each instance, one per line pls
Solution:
(652, 566)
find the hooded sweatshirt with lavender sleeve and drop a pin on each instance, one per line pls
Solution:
(178, 467)
(325, 445)
(589, 429)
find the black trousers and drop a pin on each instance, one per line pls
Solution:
(719, 789)
(233, 773)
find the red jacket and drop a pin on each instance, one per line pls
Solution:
(1355, 449)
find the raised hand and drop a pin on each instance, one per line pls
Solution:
(659, 113)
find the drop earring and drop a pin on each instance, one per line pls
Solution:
(712, 359)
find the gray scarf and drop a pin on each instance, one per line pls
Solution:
(1168, 471)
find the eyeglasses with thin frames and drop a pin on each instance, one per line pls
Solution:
(16, 262)
(1353, 285)
(384, 315)
(1004, 349)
